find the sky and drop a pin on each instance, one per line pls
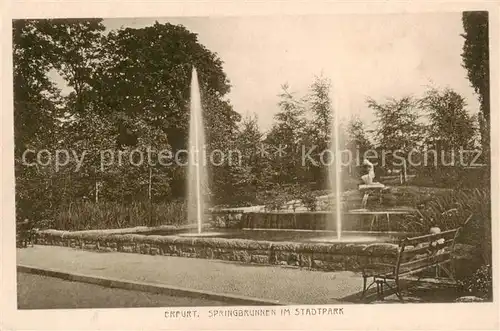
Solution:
(377, 56)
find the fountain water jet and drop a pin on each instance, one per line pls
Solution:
(197, 174)
(334, 171)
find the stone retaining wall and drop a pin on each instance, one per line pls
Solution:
(315, 221)
(321, 256)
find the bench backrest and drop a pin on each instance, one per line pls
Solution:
(419, 253)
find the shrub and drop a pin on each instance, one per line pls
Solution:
(479, 284)
(452, 210)
(309, 200)
(455, 177)
(472, 210)
(415, 196)
(86, 215)
(226, 220)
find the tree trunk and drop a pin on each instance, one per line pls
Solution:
(96, 192)
(149, 197)
(405, 178)
(149, 187)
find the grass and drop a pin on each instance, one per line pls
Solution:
(468, 208)
(113, 215)
(452, 209)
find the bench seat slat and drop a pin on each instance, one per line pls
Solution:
(427, 261)
(414, 271)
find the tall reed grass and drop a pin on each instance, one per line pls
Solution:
(85, 215)
(453, 210)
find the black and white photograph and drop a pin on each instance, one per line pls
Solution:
(253, 166)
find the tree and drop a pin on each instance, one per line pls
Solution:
(145, 75)
(35, 97)
(249, 176)
(36, 108)
(319, 127)
(321, 107)
(475, 58)
(450, 124)
(222, 136)
(357, 140)
(129, 90)
(285, 136)
(398, 130)
(77, 51)
(77, 54)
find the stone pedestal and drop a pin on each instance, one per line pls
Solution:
(368, 189)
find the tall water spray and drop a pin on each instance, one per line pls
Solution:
(197, 173)
(335, 168)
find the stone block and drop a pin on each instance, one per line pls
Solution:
(334, 266)
(90, 246)
(209, 253)
(353, 263)
(143, 248)
(226, 256)
(282, 255)
(128, 248)
(306, 260)
(318, 264)
(324, 257)
(259, 252)
(242, 256)
(293, 259)
(260, 259)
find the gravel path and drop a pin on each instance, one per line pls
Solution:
(40, 292)
(288, 285)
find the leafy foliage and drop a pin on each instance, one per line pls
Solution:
(86, 215)
(452, 211)
(121, 98)
(128, 90)
(399, 131)
(76, 56)
(479, 284)
(398, 123)
(475, 57)
(357, 142)
(321, 108)
(318, 130)
(285, 137)
(36, 107)
(451, 124)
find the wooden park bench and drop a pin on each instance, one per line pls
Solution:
(412, 257)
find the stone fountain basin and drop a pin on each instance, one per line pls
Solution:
(286, 235)
(320, 250)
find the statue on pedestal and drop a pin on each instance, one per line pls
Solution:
(368, 178)
(369, 186)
